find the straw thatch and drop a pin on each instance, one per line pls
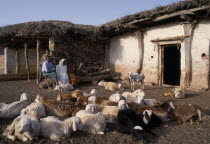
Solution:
(57, 29)
(158, 11)
(64, 30)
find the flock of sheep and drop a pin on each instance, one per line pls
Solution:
(130, 111)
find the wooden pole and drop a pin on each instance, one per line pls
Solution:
(139, 35)
(37, 59)
(16, 59)
(26, 58)
(107, 53)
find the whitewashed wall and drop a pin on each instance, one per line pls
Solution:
(124, 52)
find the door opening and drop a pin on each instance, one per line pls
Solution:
(172, 65)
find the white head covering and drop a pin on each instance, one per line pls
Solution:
(61, 71)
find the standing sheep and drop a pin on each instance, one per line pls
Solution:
(136, 77)
(55, 129)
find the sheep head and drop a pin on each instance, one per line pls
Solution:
(122, 105)
(39, 98)
(24, 96)
(77, 94)
(147, 116)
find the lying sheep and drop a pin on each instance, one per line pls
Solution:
(101, 101)
(169, 94)
(12, 110)
(150, 120)
(92, 93)
(92, 123)
(35, 109)
(24, 127)
(184, 113)
(135, 94)
(71, 96)
(110, 85)
(55, 129)
(65, 87)
(136, 77)
(161, 111)
(129, 122)
(175, 93)
(59, 108)
(110, 112)
(179, 93)
(116, 97)
(142, 101)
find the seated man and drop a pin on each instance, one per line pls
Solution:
(49, 70)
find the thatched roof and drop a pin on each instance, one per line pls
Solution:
(58, 29)
(154, 13)
(64, 29)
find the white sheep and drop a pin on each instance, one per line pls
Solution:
(134, 94)
(110, 112)
(12, 110)
(136, 77)
(55, 129)
(110, 85)
(116, 97)
(93, 92)
(92, 123)
(23, 127)
(140, 100)
(35, 109)
(64, 87)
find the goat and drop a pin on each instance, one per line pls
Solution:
(135, 77)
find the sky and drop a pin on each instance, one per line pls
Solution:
(89, 12)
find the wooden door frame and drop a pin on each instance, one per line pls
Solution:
(161, 64)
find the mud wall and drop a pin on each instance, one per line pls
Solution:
(124, 52)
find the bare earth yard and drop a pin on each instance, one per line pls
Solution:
(176, 133)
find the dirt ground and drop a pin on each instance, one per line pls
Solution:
(176, 133)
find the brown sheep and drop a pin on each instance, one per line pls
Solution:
(132, 105)
(183, 113)
(102, 101)
(59, 108)
(169, 94)
(71, 96)
(161, 111)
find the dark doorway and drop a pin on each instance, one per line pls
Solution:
(172, 66)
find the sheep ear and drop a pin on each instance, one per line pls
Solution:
(33, 126)
(74, 125)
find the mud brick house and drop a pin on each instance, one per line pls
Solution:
(169, 44)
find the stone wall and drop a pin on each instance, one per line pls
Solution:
(80, 50)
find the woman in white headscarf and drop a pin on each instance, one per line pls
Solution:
(61, 71)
